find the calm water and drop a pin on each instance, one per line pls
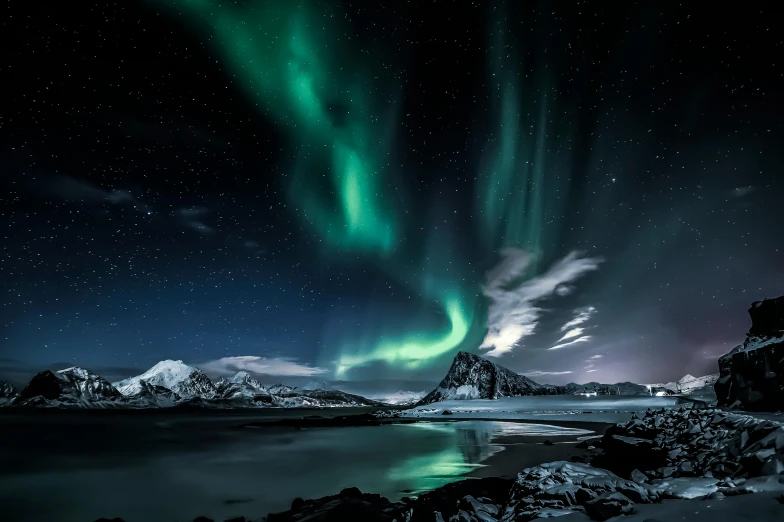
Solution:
(168, 469)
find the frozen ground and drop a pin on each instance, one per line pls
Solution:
(610, 409)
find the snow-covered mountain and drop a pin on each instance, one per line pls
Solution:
(688, 383)
(297, 398)
(70, 387)
(142, 394)
(473, 377)
(620, 388)
(171, 383)
(278, 389)
(400, 398)
(316, 386)
(186, 381)
(242, 386)
(244, 377)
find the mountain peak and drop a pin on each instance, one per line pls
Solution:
(243, 377)
(473, 377)
(184, 380)
(78, 372)
(72, 385)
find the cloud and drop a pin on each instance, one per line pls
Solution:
(537, 373)
(72, 189)
(589, 371)
(596, 356)
(191, 217)
(574, 332)
(581, 316)
(512, 314)
(261, 365)
(584, 338)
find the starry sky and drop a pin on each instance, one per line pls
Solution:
(354, 191)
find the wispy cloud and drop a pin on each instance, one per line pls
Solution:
(583, 339)
(512, 314)
(595, 357)
(192, 217)
(73, 189)
(537, 373)
(589, 371)
(581, 315)
(261, 365)
(574, 332)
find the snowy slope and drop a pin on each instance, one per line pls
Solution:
(320, 399)
(243, 377)
(278, 389)
(186, 381)
(473, 377)
(688, 383)
(70, 387)
(400, 398)
(242, 386)
(172, 383)
(142, 394)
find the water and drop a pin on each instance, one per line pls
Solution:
(166, 469)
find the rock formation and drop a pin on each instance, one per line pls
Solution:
(751, 376)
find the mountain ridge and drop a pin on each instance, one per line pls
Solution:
(188, 386)
(473, 377)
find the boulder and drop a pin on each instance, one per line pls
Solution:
(608, 505)
(751, 376)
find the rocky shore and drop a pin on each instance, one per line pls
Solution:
(676, 454)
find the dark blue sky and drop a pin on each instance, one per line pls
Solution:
(151, 207)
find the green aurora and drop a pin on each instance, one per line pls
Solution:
(294, 62)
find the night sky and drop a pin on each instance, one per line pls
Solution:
(355, 191)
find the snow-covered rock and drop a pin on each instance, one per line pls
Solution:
(70, 387)
(243, 377)
(473, 377)
(686, 385)
(296, 398)
(186, 381)
(400, 398)
(279, 389)
(142, 394)
(243, 385)
(693, 443)
(751, 376)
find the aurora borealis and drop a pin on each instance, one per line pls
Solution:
(359, 191)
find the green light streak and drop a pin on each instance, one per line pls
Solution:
(415, 350)
(288, 60)
(518, 171)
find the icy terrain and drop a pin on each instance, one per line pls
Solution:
(561, 407)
